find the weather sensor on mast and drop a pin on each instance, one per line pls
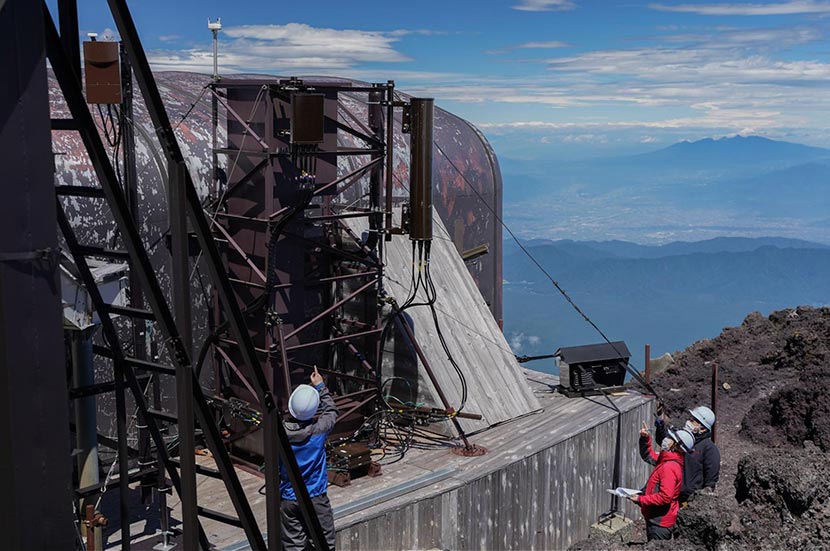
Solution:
(215, 27)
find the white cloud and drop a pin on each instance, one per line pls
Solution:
(793, 7)
(545, 5)
(290, 47)
(543, 45)
(519, 340)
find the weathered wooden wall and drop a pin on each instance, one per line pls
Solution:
(547, 500)
(496, 384)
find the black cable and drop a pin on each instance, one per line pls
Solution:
(629, 367)
(432, 299)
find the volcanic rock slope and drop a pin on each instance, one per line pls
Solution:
(773, 432)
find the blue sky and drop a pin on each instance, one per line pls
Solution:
(604, 75)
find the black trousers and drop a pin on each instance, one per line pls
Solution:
(294, 532)
(658, 532)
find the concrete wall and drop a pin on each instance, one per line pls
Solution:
(548, 500)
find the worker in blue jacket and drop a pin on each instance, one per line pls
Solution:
(701, 468)
(308, 441)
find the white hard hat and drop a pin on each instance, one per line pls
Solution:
(683, 437)
(705, 415)
(303, 402)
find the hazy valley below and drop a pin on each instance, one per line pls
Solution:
(666, 247)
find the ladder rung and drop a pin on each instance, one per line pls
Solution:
(98, 388)
(130, 312)
(64, 124)
(88, 250)
(151, 366)
(96, 489)
(80, 191)
(162, 415)
(201, 469)
(219, 517)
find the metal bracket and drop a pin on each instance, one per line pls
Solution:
(406, 118)
(48, 256)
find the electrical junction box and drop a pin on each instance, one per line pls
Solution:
(307, 118)
(78, 310)
(102, 72)
(593, 366)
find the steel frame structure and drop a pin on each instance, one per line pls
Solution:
(184, 205)
(346, 271)
(262, 164)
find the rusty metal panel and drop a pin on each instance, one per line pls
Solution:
(102, 72)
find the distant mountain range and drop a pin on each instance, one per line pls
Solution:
(746, 186)
(736, 150)
(668, 296)
(625, 249)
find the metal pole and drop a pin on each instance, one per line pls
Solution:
(390, 153)
(68, 16)
(431, 375)
(86, 426)
(34, 419)
(184, 377)
(162, 489)
(139, 327)
(714, 398)
(286, 372)
(648, 364)
(215, 54)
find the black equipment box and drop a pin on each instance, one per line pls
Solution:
(592, 366)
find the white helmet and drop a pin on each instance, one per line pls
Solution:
(684, 438)
(704, 415)
(303, 402)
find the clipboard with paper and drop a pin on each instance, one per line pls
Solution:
(624, 492)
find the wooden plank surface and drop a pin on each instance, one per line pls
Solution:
(497, 388)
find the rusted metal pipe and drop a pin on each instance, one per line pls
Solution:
(366, 365)
(411, 336)
(335, 339)
(331, 309)
(286, 372)
(714, 398)
(390, 155)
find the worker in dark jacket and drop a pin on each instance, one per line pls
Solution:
(659, 502)
(308, 441)
(701, 468)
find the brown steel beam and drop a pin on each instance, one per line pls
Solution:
(237, 371)
(411, 337)
(241, 252)
(331, 308)
(357, 406)
(390, 148)
(241, 121)
(333, 339)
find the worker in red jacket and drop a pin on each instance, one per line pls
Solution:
(659, 503)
